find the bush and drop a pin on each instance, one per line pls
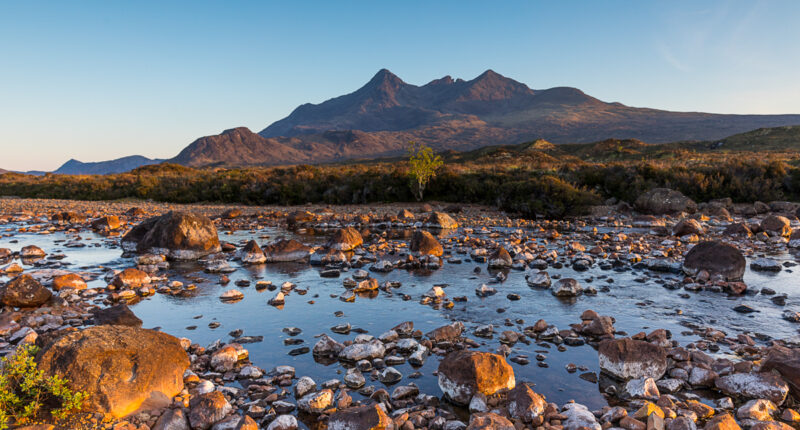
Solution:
(26, 395)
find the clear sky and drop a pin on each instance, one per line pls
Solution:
(95, 80)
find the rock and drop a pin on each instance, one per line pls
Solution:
(759, 410)
(252, 254)
(777, 225)
(131, 278)
(597, 326)
(765, 265)
(304, 386)
(464, 373)
(31, 251)
(500, 259)
(231, 295)
(715, 258)
(354, 379)
(367, 417)
(106, 223)
(489, 421)
(567, 287)
(345, 239)
(754, 385)
(327, 347)
(116, 315)
(316, 402)
(660, 201)
(446, 333)
(24, 292)
(524, 403)
(642, 388)
(787, 362)
(423, 243)
(738, 229)
(440, 220)
(578, 417)
(224, 359)
(123, 369)
(722, 422)
(172, 419)
(232, 213)
(207, 409)
(283, 422)
(363, 351)
(178, 235)
(538, 280)
(688, 226)
(283, 250)
(631, 359)
(71, 281)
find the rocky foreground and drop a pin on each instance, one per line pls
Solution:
(145, 379)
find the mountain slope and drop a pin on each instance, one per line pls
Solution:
(237, 146)
(493, 109)
(124, 164)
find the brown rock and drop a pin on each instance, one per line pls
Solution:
(659, 201)
(345, 239)
(24, 292)
(441, 220)
(524, 403)
(207, 409)
(688, 226)
(284, 250)
(124, 369)
(70, 280)
(132, 278)
(367, 417)
(630, 359)
(787, 362)
(489, 421)
(462, 374)
(716, 258)
(722, 422)
(425, 244)
(776, 224)
(179, 235)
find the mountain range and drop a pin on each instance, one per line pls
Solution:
(124, 164)
(380, 118)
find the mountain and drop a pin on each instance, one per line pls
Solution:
(239, 146)
(75, 167)
(3, 171)
(380, 118)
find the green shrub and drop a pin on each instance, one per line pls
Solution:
(27, 395)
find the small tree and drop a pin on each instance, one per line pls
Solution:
(423, 164)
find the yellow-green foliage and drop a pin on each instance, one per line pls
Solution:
(422, 166)
(26, 395)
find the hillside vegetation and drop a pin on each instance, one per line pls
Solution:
(531, 179)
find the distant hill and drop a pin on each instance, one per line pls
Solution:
(3, 171)
(380, 118)
(75, 167)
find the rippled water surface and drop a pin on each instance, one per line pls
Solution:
(636, 299)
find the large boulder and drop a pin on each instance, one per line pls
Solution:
(716, 258)
(178, 235)
(71, 281)
(632, 359)
(659, 201)
(207, 409)
(345, 239)
(424, 243)
(24, 292)
(285, 250)
(787, 362)
(462, 374)
(365, 417)
(124, 369)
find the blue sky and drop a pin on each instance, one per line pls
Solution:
(95, 80)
